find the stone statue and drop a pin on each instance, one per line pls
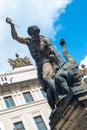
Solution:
(19, 62)
(83, 71)
(46, 58)
(54, 75)
(67, 76)
(83, 74)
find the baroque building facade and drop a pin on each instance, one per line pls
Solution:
(23, 104)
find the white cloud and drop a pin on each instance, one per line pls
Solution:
(43, 13)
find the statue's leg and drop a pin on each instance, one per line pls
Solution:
(40, 77)
(47, 77)
(46, 88)
(51, 98)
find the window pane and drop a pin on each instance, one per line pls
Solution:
(19, 126)
(43, 93)
(28, 97)
(9, 102)
(39, 122)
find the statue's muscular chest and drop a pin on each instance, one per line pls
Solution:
(37, 46)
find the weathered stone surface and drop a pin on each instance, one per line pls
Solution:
(74, 116)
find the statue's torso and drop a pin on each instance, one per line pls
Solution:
(38, 49)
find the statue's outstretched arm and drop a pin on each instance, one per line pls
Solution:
(14, 33)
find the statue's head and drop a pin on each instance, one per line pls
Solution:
(33, 30)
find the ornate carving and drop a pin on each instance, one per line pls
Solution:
(19, 62)
(83, 71)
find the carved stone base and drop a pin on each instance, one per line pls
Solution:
(70, 112)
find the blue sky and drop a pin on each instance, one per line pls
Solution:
(56, 18)
(74, 22)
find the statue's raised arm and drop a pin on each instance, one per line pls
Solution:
(67, 56)
(14, 33)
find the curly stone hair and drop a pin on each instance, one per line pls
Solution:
(33, 29)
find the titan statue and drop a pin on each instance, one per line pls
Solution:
(56, 77)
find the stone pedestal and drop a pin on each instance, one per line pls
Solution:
(74, 115)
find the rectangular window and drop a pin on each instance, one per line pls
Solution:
(9, 102)
(39, 122)
(28, 97)
(43, 93)
(19, 126)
